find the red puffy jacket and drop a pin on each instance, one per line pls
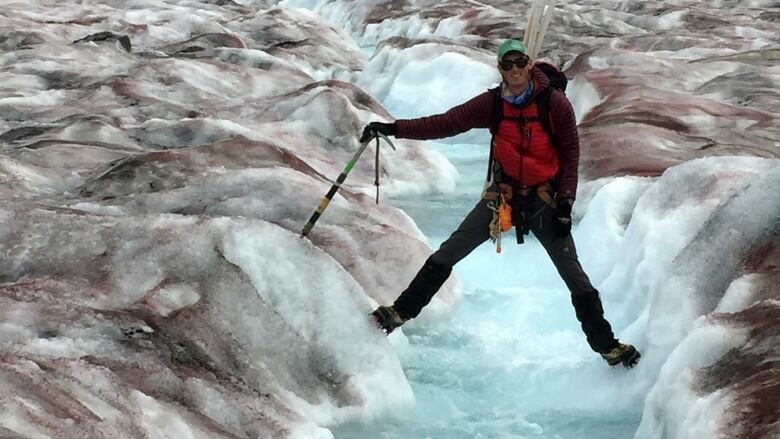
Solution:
(532, 157)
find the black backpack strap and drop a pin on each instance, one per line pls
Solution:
(498, 110)
(497, 115)
(543, 109)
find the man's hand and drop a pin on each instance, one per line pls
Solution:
(370, 131)
(562, 218)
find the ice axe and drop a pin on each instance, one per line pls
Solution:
(329, 196)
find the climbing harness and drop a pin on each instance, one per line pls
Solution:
(498, 197)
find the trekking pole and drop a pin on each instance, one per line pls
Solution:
(343, 176)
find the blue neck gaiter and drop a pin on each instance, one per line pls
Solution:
(523, 98)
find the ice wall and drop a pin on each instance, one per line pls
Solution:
(157, 163)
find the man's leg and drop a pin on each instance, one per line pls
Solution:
(585, 298)
(473, 231)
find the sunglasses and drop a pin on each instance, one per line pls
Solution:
(506, 64)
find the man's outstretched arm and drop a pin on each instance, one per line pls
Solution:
(475, 113)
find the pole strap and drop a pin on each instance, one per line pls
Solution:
(376, 171)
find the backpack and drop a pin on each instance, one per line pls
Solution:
(558, 81)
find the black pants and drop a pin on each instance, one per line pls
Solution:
(474, 230)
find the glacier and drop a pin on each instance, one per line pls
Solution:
(158, 160)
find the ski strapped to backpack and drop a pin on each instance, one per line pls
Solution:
(539, 18)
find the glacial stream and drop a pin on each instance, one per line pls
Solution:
(510, 361)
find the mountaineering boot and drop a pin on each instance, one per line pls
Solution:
(622, 353)
(387, 318)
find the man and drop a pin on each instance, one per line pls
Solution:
(533, 171)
